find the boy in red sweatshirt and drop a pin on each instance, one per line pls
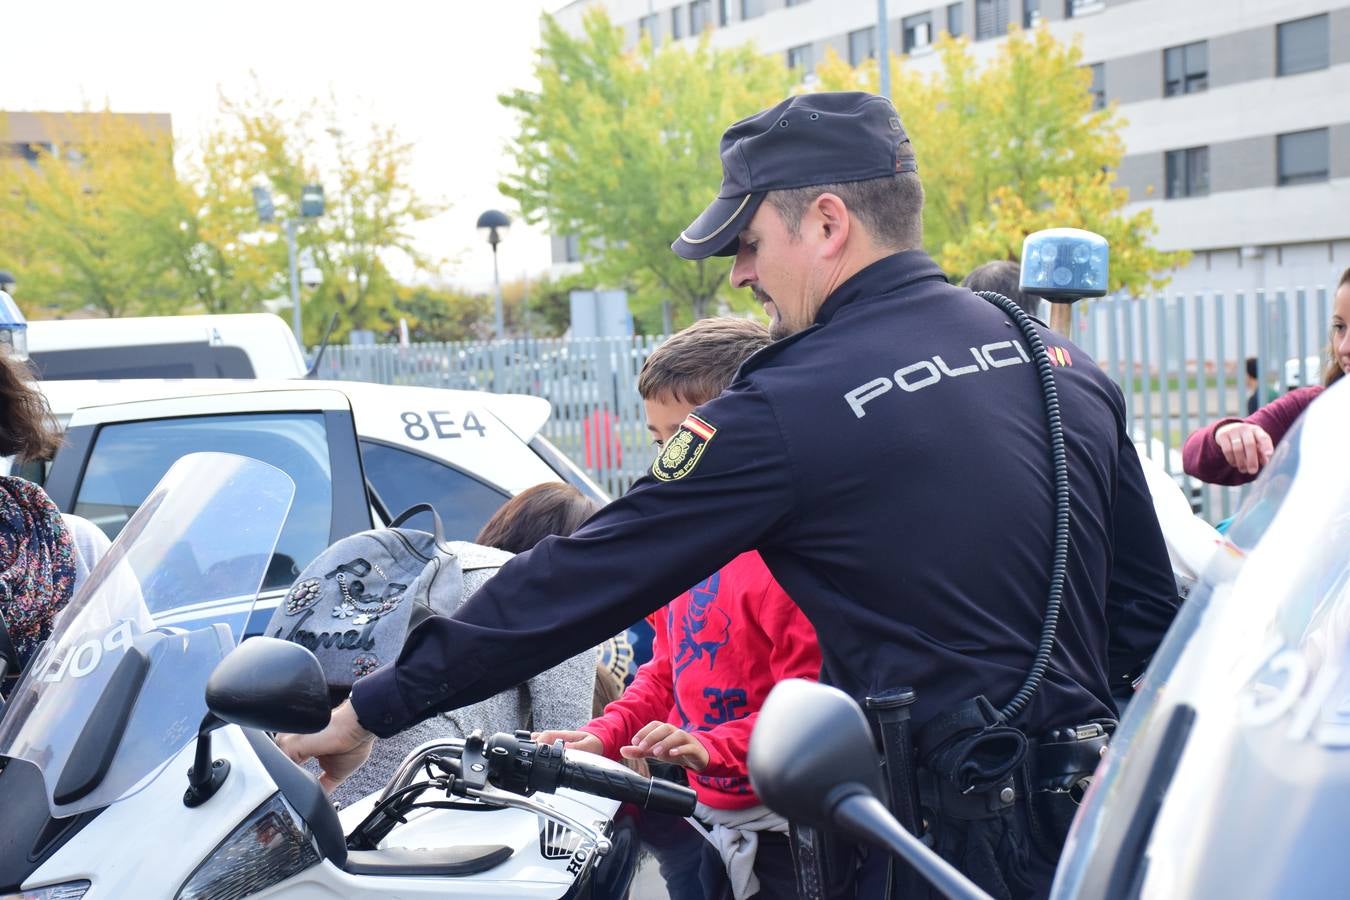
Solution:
(718, 650)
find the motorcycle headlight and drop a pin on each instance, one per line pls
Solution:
(270, 846)
(69, 890)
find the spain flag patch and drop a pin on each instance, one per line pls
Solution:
(683, 451)
(1059, 356)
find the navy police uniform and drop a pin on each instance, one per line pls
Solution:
(891, 465)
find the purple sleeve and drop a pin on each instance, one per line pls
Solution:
(1201, 457)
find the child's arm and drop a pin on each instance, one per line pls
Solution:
(650, 696)
(722, 750)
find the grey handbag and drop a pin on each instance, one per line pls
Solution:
(354, 604)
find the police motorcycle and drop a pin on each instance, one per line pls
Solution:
(135, 759)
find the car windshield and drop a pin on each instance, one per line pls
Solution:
(1236, 750)
(118, 688)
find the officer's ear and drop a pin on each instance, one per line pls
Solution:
(833, 221)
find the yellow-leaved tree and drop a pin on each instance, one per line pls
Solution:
(94, 218)
(112, 218)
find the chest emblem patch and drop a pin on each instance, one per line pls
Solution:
(683, 451)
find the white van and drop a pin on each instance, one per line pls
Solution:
(251, 345)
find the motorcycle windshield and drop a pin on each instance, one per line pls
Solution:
(119, 687)
(1230, 774)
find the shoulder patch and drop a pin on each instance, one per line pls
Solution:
(682, 452)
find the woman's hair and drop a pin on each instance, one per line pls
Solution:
(27, 428)
(534, 514)
(1333, 371)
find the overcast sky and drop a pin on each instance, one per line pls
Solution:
(433, 69)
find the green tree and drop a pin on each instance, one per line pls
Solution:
(550, 303)
(621, 148)
(94, 221)
(1011, 148)
(439, 314)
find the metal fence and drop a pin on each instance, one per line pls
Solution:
(1179, 359)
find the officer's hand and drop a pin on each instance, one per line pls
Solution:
(572, 740)
(1246, 447)
(340, 748)
(661, 740)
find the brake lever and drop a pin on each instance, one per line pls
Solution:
(496, 797)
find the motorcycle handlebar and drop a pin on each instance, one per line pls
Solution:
(628, 787)
(519, 764)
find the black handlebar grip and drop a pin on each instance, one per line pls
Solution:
(628, 787)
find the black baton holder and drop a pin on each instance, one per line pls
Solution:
(889, 712)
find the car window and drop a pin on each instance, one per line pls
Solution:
(402, 479)
(187, 360)
(128, 459)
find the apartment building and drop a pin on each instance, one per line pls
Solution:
(1237, 111)
(25, 136)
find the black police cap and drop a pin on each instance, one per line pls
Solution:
(826, 138)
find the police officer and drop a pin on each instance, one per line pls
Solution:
(887, 456)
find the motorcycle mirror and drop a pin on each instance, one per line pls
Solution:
(812, 760)
(810, 749)
(1065, 264)
(271, 685)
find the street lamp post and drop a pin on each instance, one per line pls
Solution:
(311, 207)
(883, 50)
(494, 223)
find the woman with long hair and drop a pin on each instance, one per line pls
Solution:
(1233, 451)
(43, 555)
(37, 552)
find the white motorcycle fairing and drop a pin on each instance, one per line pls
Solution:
(154, 843)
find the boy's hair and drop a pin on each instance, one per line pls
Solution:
(698, 363)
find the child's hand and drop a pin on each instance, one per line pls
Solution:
(572, 740)
(661, 740)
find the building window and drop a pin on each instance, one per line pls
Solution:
(27, 152)
(1186, 69)
(956, 19)
(572, 248)
(676, 23)
(1187, 172)
(723, 12)
(647, 26)
(917, 32)
(700, 16)
(1098, 88)
(795, 2)
(1303, 46)
(862, 44)
(1304, 157)
(1031, 13)
(991, 19)
(801, 58)
(1082, 7)
(751, 9)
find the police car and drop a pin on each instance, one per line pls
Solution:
(359, 453)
